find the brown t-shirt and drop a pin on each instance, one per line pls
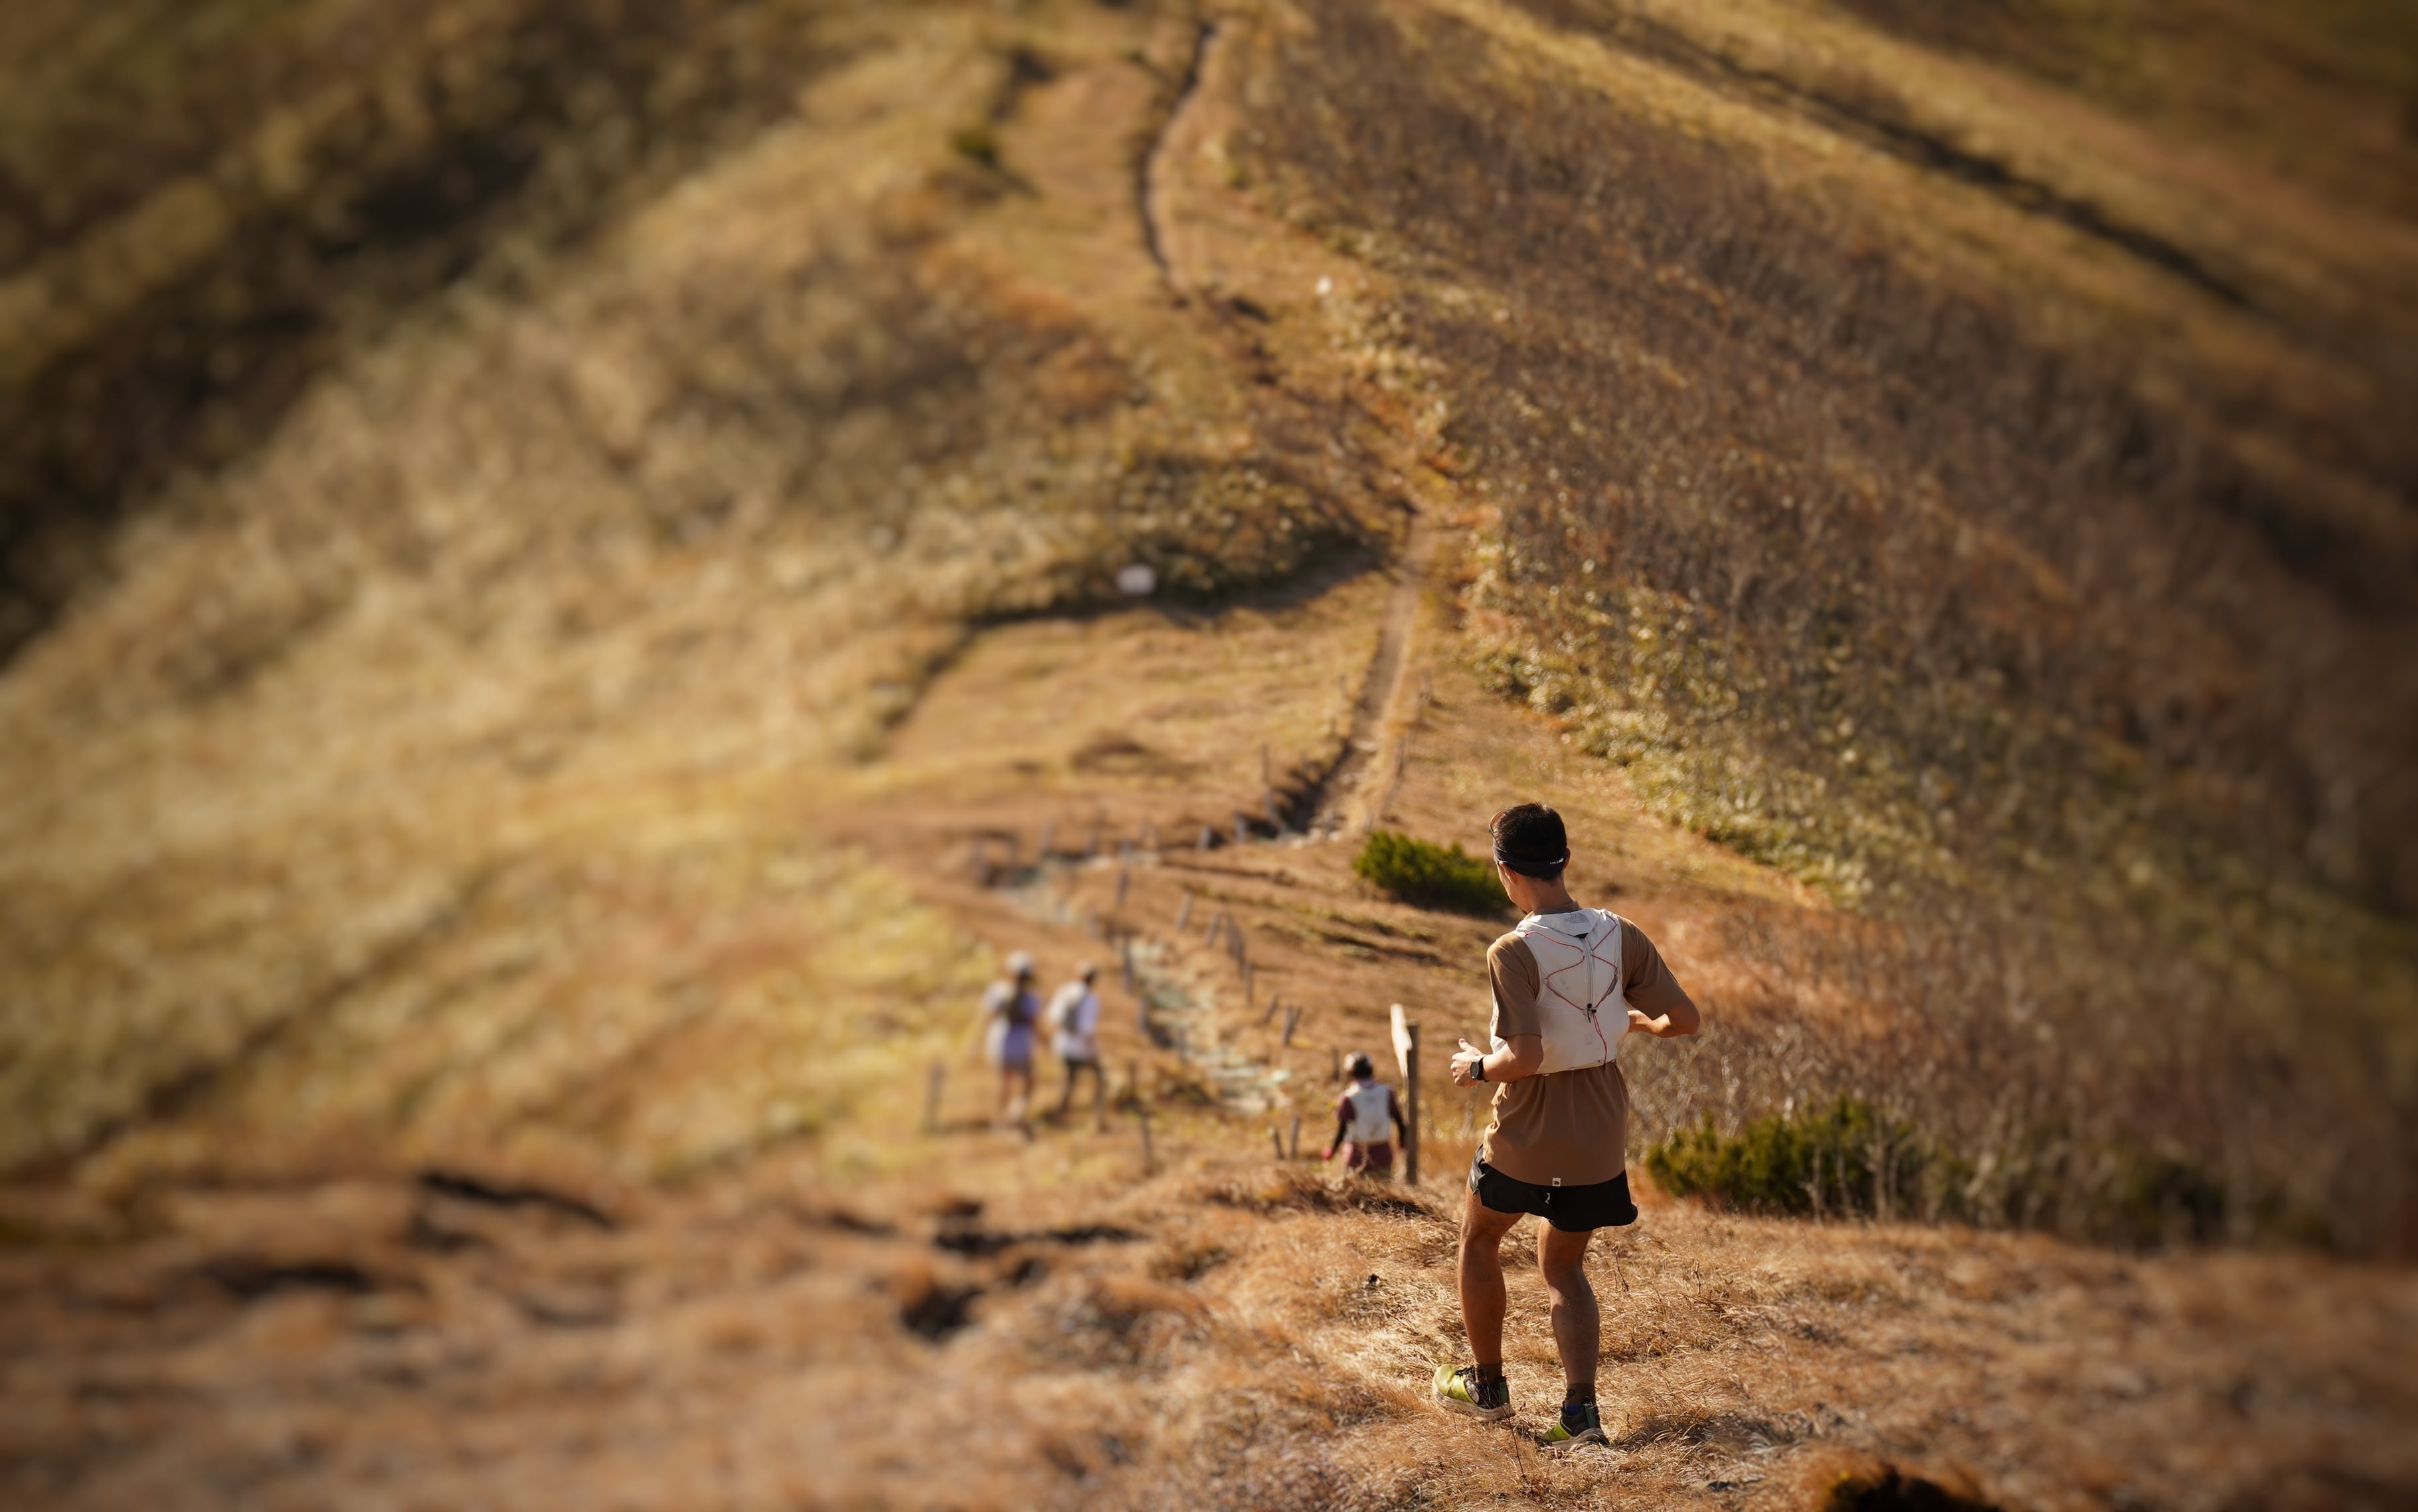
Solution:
(1566, 1125)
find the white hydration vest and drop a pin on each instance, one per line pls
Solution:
(1370, 1122)
(1580, 1004)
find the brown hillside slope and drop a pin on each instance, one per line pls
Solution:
(541, 675)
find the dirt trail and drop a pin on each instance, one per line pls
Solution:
(1357, 796)
(1150, 171)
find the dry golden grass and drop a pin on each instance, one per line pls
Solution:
(1894, 524)
(693, 522)
(492, 856)
(1245, 1335)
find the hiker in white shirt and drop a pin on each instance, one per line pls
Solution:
(1367, 1118)
(1008, 1008)
(1073, 1020)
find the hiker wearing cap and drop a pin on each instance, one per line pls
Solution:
(1367, 1118)
(1073, 1020)
(1010, 1008)
(1569, 985)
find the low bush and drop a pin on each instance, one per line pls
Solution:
(1429, 875)
(1847, 1158)
(1851, 1159)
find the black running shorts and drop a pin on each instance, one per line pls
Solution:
(1571, 1209)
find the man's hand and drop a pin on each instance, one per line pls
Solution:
(1661, 1029)
(1462, 1059)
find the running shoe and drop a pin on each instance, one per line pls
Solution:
(1461, 1390)
(1579, 1424)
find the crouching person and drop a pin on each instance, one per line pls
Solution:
(1367, 1117)
(1570, 984)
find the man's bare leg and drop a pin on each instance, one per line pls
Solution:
(1482, 1299)
(1578, 1324)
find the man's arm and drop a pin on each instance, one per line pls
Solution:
(1342, 1127)
(1521, 1055)
(1658, 1004)
(1511, 975)
(1680, 1019)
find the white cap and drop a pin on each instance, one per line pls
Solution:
(1019, 963)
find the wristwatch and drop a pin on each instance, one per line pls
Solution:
(1478, 1069)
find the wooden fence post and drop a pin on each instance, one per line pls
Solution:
(1293, 1152)
(932, 1098)
(1184, 913)
(1406, 1055)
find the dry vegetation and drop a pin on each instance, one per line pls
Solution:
(2077, 656)
(799, 420)
(1231, 1336)
(558, 596)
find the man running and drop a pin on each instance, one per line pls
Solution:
(1367, 1118)
(1073, 1020)
(1009, 1009)
(1569, 984)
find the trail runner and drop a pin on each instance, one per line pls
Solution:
(1569, 984)
(1010, 1009)
(1073, 1020)
(1367, 1118)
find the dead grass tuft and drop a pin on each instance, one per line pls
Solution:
(1290, 1190)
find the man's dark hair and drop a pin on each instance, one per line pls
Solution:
(1529, 839)
(1362, 1066)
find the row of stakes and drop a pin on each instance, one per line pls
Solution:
(1222, 923)
(1149, 839)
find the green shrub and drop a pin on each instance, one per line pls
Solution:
(1848, 1158)
(1429, 875)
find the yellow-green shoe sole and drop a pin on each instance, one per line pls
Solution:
(1439, 1391)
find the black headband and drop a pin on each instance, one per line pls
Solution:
(1544, 871)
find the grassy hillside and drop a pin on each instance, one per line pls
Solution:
(558, 592)
(1976, 492)
(701, 494)
(557, 614)
(1992, 564)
